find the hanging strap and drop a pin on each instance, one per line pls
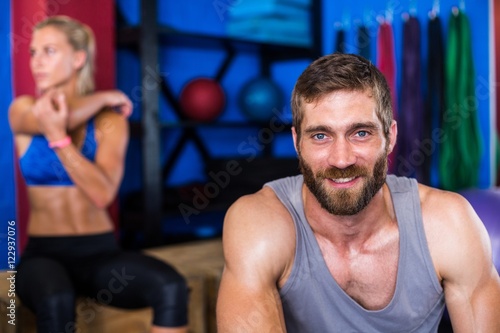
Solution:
(386, 63)
(411, 112)
(462, 148)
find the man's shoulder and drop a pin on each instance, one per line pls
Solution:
(259, 216)
(450, 225)
(259, 231)
(431, 198)
(263, 205)
(440, 201)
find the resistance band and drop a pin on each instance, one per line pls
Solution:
(411, 156)
(340, 41)
(461, 150)
(363, 42)
(435, 98)
(386, 63)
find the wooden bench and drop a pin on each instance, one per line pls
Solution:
(200, 262)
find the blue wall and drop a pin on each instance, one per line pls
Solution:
(181, 64)
(7, 193)
(477, 12)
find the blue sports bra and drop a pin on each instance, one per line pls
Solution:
(41, 166)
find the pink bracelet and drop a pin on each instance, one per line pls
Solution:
(66, 141)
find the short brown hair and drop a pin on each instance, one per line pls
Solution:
(339, 71)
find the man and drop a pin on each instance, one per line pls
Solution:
(344, 247)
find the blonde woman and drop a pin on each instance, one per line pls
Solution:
(72, 142)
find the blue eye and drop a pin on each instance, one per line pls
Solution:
(319, 136)
(362, 134)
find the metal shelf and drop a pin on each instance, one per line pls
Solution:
(146, 39)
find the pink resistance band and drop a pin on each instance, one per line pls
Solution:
(386, 63)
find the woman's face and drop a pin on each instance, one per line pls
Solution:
(54, 62)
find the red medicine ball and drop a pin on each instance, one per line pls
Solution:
(202, 99)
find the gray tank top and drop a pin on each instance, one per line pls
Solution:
(314, 302)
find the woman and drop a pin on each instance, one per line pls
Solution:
(72, 143)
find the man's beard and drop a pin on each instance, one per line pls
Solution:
(345, 201)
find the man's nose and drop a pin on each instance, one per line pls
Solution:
(341, 154)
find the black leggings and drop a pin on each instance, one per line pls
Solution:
(53, 271)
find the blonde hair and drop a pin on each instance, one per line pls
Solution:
(81, 38)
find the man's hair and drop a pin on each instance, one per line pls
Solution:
(337, 72)
(81, 38)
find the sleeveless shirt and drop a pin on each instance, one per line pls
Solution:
(41, 166)
(313, 301)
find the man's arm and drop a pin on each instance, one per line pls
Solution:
(470, 280)
(23, 121)
(258, 247)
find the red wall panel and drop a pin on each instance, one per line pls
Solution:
(100, 16)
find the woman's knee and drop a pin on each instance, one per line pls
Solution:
(56, 303)
(174, 291)
(44, 283)
(55, 312)
(170, 303)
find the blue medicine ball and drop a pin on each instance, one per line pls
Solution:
(259, 98)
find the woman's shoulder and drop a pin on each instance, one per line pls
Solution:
(19, 115)
(24, 99)
(21, 102)
(108, 117)
(111, 125)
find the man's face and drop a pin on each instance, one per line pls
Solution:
(343, 151)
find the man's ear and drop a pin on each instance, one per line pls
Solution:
(393, 135)
(80, 59)
(294, 136)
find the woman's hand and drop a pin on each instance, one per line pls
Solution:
(51, 113)
(118, 101)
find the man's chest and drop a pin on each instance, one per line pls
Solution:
(369, 278)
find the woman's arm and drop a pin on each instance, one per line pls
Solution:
(23, 121)
(99, 180)
(83, 108)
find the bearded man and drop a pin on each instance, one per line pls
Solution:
(344, 247)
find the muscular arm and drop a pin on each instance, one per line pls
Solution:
(257, 249)
(23, 121)
(470, 280)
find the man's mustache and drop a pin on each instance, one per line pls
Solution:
(349, 172)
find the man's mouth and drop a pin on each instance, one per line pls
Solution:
(342, 180)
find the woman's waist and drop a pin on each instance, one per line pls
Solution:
(60, 199)
(72, 245)
(68, 222)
